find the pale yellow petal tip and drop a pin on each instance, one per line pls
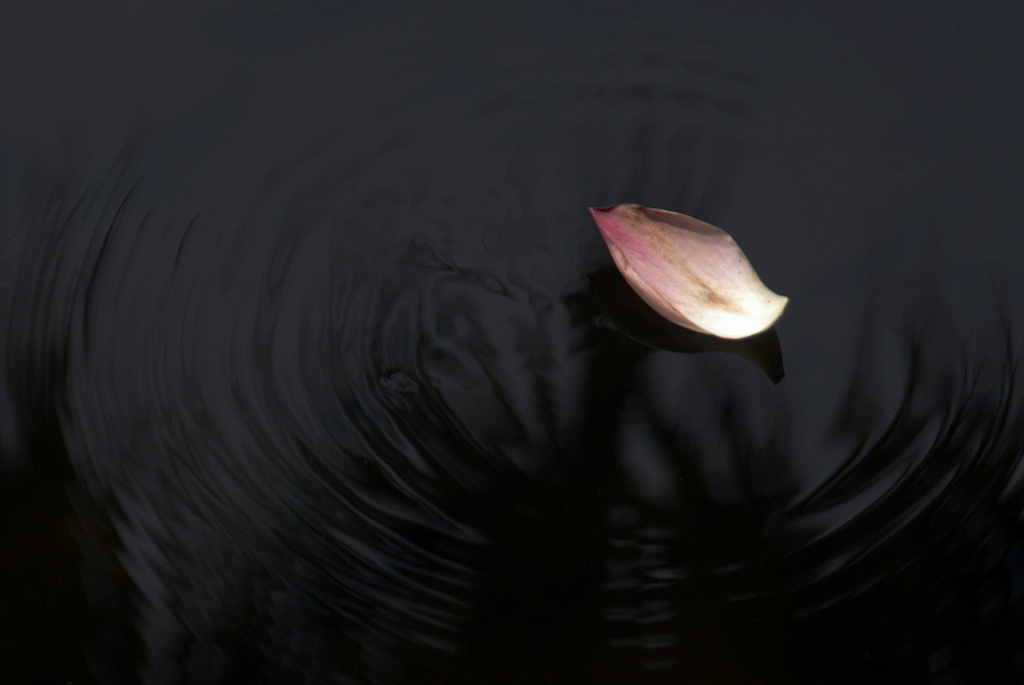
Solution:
(692, 273)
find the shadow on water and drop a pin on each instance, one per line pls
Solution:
(630, 314)
(374, 429)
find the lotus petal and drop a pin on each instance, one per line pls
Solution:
(692, 273)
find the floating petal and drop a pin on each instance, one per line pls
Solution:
(692, 273)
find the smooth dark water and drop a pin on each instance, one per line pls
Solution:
(306, 380)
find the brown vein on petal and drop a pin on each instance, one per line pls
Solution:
(711, 296)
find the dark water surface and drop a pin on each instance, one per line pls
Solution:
(306, 380)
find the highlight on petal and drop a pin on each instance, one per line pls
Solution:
(692, 273)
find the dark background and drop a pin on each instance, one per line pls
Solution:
(262, 261)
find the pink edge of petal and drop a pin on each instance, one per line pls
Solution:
(639, 267)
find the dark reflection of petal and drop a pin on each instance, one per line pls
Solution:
(635, 318)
